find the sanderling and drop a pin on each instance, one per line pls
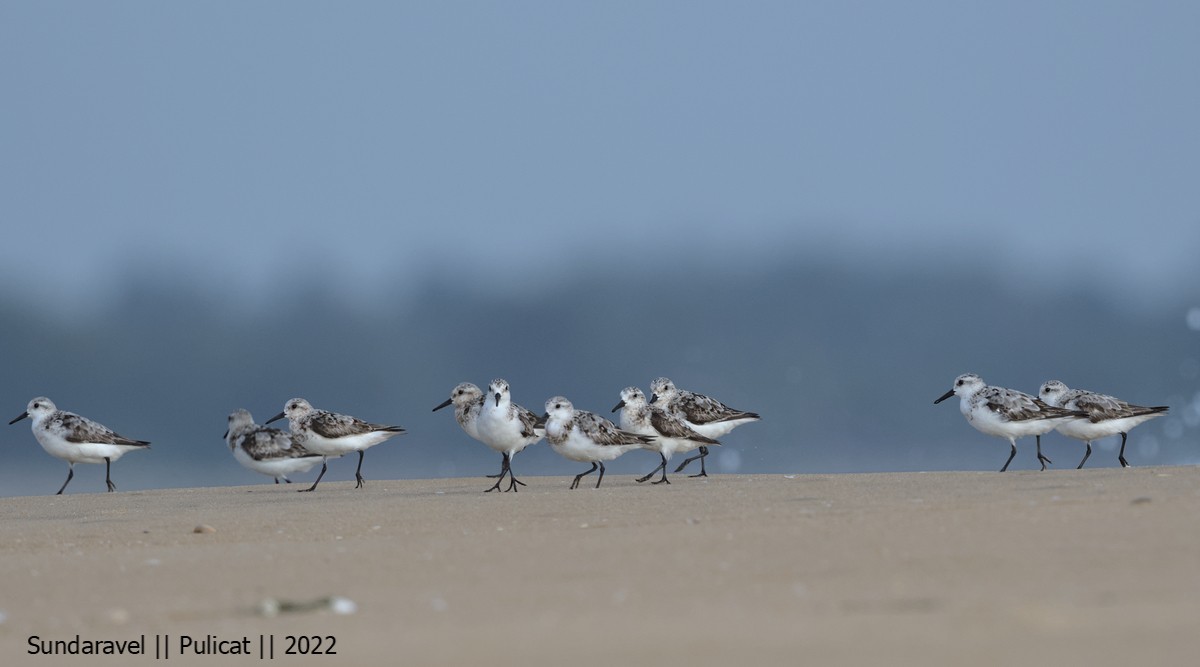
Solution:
(331, 434)
(1007, 413)
(467, 401)
(1106, 415)
(76, 439)
(265, 450)
(507, 428)
(672, 434)
(706, 416)
(586, 437)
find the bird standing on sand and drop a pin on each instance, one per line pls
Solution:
(1106, 415)
(587, 437)
(507, 428)
(672, 434)
(331, 434)
(267, 451)
(706, 416)
(75, 439)
(1007, 413)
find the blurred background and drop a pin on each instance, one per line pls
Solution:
(823, 212)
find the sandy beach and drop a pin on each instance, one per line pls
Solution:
(1098, 567)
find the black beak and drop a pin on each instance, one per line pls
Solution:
(653, 397)
(618, 406)
(443, 404)
(944, 397)
(545, 417)
(497, 400)
(275, 418)
(226, 436)
(19, 418)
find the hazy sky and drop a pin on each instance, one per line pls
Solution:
(234, 142)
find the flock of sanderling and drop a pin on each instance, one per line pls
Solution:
(1076, 413)
(672, 421)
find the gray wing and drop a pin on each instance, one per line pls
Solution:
(79, 429)
(530, 423)
(605, 433)
(673, 427)
(1100, 407)
(1068, 399)
(700, 409)
(271, 443)
(332, 425)
(1019, 406)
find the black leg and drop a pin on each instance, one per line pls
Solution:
(664, 477)
(276, 480)
(703, 455)
(601, 478)
(662, 466)
(324, 466)
(513, 482)
(107, 479)
(1085, 456)
(1042, 459)
(1010, 456)
(575, 484)
(284, 479)
(70, 474)
(358, 471)
(1121, 456)
(504, 470)
(503, 467)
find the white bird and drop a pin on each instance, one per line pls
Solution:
(583, 436)
(267, 451)
(706, 416)
(332, 434)
(76, 439)
(672, 434)
(1007, 413)
(468, 400)
(1106, 415)
(507, 428)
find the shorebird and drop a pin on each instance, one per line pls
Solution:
(706, 416)
(267, 451)
(507, 428)
(1007, 413)
(331, 434)
(672, 434)
(587, 437)
(75, 439)
(467, 400)
(1106, 415)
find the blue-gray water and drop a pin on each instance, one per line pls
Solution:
(842, 363)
